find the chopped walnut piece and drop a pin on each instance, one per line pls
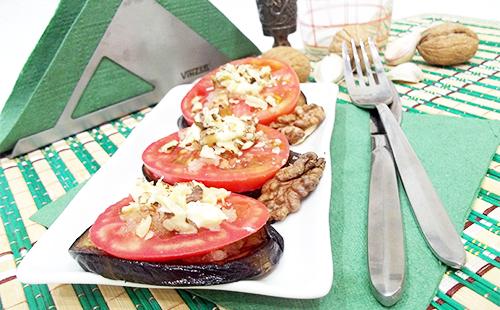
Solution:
(298, 125)
(284, 192)
(196, 194)
(293, 134)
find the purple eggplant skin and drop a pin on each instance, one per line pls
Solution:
(182, 123)
(258, 263)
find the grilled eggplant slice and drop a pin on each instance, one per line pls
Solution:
(252, 261)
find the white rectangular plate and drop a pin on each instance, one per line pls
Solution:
(305, 269)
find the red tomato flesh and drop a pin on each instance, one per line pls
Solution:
(287, 90)
(111, 234)
(256, 166)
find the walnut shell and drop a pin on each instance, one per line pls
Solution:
(346, 34)
(358, 33)
(298, 61)
(448, 44)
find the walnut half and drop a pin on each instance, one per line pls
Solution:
(298, 125)
(284, 192)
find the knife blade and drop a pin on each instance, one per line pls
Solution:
(386, 257)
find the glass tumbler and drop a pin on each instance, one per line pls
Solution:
(324, 24)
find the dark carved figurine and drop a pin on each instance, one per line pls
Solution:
(278, 19)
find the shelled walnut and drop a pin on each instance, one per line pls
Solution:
(298, 125)
(284, 192)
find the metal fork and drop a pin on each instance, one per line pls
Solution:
(368, 92)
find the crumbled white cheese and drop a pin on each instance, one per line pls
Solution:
(247, 82)
(219, 150)
(189, 135)
(195, 165)
(149, 235)
(178, 194)
(230, 128)
(208, 152)
(205, 215)
(230, 214)
(184, 217)
(143, 228)
(132, 207)
(218, 134)
(247, 145)
(260, 144)
(276, 150)
(168, 146)
(212, 195)
(265, 71)
(196, 104)
(271, 100)
(240, 79)
(230, 146)
(208, 117)
(178, 223)
(256, 102)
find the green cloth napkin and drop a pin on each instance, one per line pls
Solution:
(48, 214)
(456, 154)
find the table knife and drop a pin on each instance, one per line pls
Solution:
(386, 257)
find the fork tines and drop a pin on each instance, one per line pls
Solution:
(370, 78)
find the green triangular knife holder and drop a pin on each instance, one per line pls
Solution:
(99, 60)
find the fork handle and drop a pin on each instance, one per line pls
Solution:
(430, 213)
(386, 255)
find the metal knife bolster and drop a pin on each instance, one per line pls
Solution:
(379, 141)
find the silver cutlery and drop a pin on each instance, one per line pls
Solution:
(373, 91)
(386, 256)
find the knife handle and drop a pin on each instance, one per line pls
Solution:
(386, 257)
(428, 209)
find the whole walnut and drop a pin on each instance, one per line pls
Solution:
(294, 58)
(448, 44)
(358, 33)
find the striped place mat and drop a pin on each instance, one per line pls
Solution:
(29, 182)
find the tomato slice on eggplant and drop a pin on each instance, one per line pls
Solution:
(112, 235)
(251, 170)
(286, 91)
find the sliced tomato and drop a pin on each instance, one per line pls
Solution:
(286, 92)
(112, 235)
(250, 172)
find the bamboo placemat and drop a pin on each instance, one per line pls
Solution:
(29, 182)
